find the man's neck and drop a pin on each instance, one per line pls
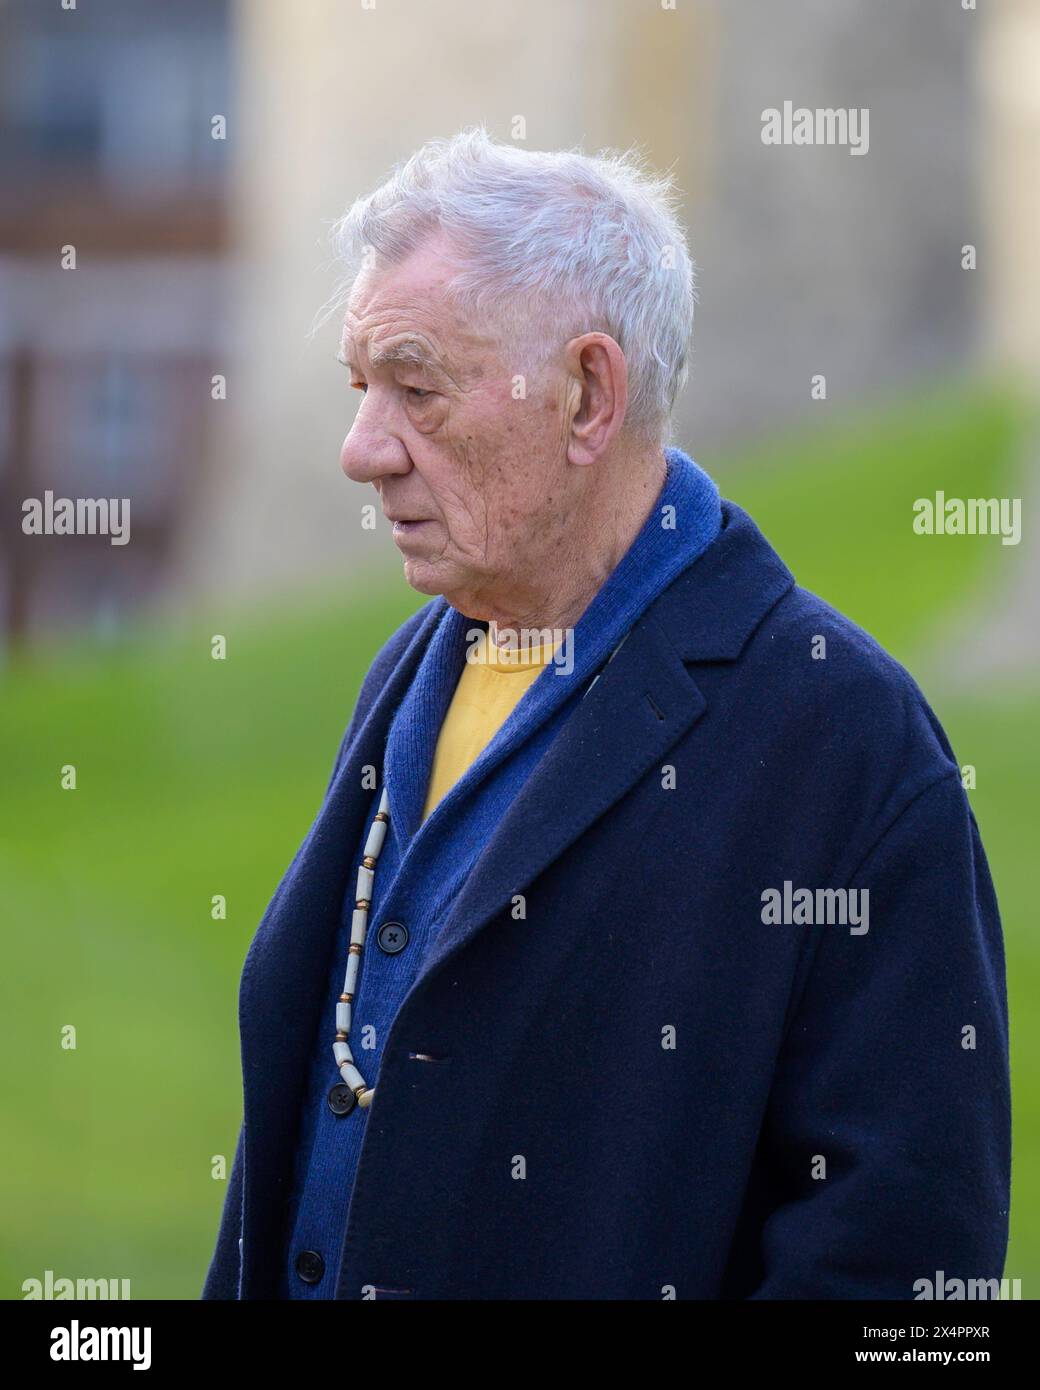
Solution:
(558, 598)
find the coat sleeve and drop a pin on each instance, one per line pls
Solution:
(225, 1270)
(889, 1119)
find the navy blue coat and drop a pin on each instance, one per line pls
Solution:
(645, 1089)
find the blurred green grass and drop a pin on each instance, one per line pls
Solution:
(198, 777)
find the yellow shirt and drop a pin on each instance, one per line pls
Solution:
(484, 698)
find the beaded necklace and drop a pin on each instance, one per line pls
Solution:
(354, 1090)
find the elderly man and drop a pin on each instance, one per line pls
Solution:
(644, 944)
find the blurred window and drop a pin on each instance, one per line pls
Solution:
(116, 89)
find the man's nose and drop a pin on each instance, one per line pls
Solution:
(371, 449)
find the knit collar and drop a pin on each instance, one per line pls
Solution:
(683, 522)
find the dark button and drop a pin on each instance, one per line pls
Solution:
(310, 1266)
(341, 1099)
(392, 937)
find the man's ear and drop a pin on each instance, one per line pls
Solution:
(599, 378)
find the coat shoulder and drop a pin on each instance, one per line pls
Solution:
(835, 687)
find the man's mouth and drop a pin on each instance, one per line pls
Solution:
(408, 530)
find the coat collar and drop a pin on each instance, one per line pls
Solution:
(643, 702)
(713, 608)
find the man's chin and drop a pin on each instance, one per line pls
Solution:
(424, 576)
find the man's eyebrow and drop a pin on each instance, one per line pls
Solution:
(409, 351)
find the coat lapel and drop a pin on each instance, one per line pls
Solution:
(642, 702)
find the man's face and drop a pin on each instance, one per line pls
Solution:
(475, 480)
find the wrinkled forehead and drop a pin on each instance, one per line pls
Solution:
(407, 313)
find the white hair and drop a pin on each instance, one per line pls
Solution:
(550, 245)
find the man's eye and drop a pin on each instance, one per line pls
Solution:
(417, 393)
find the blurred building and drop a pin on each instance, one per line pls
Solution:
(200, 257)
(105, 146)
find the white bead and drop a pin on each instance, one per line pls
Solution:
(358, 926)
(376, 836)
(365, 1098)
(351, 1076)
(365, 879)
(384, 800)
(342, 1016)
(342, 1053)
(353, 961)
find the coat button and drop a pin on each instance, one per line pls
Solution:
(341, 1099)
(310, 1266)
(392, 937)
